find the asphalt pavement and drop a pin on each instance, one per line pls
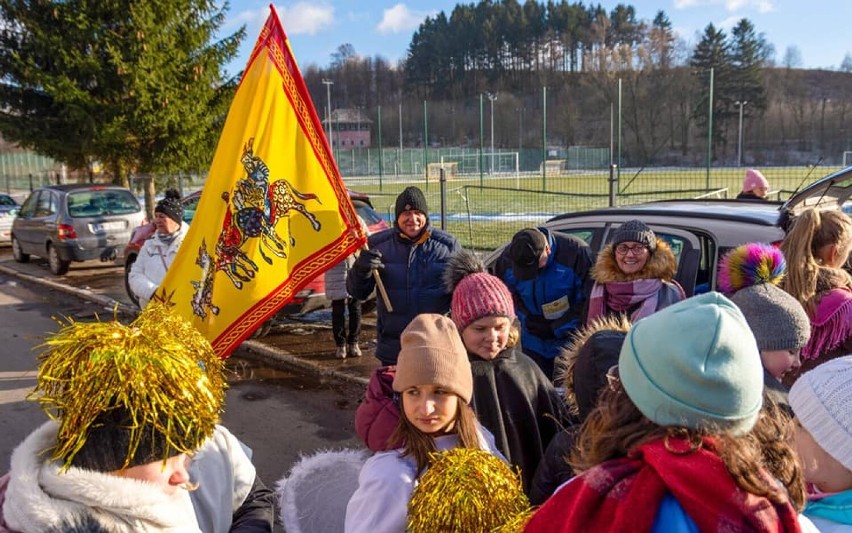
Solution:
(295, 345)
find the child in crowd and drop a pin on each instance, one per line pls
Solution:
(750, 276)
(435, 386)
(634, 275)
(755, 186)
(581, 370)
(669, 446)
(822, 402)
(345, 339)
(512, 397)
(129, 406)
(817, 247)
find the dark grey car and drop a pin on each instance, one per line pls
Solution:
(67, 223)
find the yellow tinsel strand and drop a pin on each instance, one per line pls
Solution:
(466, 490)
(159, 368)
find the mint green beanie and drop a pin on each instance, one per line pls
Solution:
(694, 364)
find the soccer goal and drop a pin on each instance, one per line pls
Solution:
(493, 164)
(451, 169)
(847, 159)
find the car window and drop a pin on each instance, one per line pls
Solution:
(366, 212)
(7, 200)
(28, 209)
(100, 202)
(44, 205)
(189, 208)
(675, 242)
(585, 234)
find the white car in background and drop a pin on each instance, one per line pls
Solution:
(8, 209)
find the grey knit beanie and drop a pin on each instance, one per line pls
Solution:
(822, 402)
(433, 353)
(635, 231)
(778, 321)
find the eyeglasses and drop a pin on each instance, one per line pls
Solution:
(623, 249)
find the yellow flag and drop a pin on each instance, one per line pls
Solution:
(274, 212)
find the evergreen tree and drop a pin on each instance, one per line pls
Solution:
(139, 86)
(712, 52)
(748, 52)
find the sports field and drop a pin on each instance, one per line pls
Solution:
(484, 213)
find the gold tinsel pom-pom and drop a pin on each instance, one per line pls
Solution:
(159, 368)
(466, 490)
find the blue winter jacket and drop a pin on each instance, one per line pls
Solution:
(556, 299)
(412, 277)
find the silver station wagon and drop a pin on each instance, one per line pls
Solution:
(79, 222)
(700, 232)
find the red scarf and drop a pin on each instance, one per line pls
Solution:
(625, 494)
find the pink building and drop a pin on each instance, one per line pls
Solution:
(350, 128)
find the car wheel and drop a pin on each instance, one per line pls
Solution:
(127, 266)
(57, 265)
(19, 254)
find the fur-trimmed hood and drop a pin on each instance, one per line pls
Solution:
(40, 497)
(605, 352)
(661, 265)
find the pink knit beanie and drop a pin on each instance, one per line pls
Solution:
(479, 295)
(754, 179)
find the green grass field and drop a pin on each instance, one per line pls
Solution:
(484, 214)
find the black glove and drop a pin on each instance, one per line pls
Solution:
(539, 326)
(368, 261)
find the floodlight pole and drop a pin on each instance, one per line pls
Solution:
(741, 104)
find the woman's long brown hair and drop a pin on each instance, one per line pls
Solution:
(419, 445)
(616, 427)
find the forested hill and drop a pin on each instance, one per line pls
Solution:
(581, 54)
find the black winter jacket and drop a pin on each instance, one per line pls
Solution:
(516, 402)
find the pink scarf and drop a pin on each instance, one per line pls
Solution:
(831, 324)
(620, 296)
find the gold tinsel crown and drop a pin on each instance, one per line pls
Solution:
(159, 369)
(467, 490)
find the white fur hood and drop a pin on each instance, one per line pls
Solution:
(39, 497)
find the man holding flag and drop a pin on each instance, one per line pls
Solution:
(274, 212)
(410, 257)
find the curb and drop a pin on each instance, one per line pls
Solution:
(259, 351)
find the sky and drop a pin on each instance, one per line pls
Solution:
(817, 28)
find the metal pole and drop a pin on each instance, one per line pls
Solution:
(740, 137)
(328, 84)
(443, 185)
(491, 98)
(400, 139)
(709, 131)
(481, 139)
(425, 145)
(520, 129)
(544, 138)
(381, 150)
(618, 139)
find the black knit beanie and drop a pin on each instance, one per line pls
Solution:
(635, 231)
(411, 198)
(171, 206)
(108, 442)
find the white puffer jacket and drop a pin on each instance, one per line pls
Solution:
(151, 264)
(39, 498)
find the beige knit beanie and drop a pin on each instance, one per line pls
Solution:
(433, 353)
